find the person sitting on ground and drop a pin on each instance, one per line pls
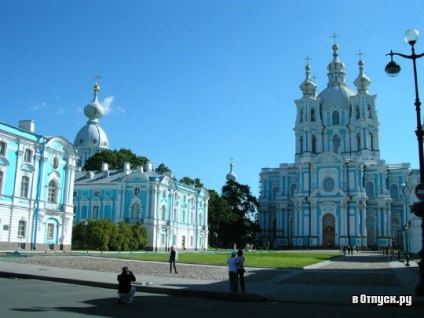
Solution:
(124, 288)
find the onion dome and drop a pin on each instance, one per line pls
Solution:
(362, 82)
(308, 87)
(336, 69)
(231, 176)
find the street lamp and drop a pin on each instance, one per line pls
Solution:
(407, 243)
(392, 69)
(85, 234)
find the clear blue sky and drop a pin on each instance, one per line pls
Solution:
(193, 83)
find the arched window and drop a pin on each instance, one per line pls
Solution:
(314, 144)
(371, 141)
(50, 231)
(336, 118)
(135, 211)
(2, 148)
(312, 114)
(292, 190)
(275, 193)
(52, 192)
(200, 219)
(27, 155)
(336, 144)
(369, 111)
(301, 116)
(358, 141)
(357, 112)
(24, 187)
(369, 189)
(21, 228)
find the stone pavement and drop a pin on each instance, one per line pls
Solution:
(329, 282)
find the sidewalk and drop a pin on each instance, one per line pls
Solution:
(329, 282)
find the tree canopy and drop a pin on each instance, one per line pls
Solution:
(233, 215)
(115, 159)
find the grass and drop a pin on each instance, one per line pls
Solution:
(274, 259)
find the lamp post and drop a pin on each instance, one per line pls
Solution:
(407, 243)
(398, 244)
(85, 234)
(392, 69)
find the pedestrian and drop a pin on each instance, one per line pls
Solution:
(124, 287)
(344, 250)
(232, 271)
(240, 268)
(357, 248)
(173, 256)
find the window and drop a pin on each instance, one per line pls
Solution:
(394, 192)
(1, 181)
(162, 239)
(200, 218)
(184, 216)
(369, 111)
(27, 155)
(136, 191)
(301, 144)
(21, 229)
(301, 116)
(357, 112)
(192, 217)
(314, 144)
(175, 215)
(135, 211)
(95, 212)
(336, 118)
(24, 186)
(52, 192)
(2, 148)
(97, 194)
(163, 213)
(369, 189)
(50, 231)
(313, 114)
(191, 241)
(336, 144)
(371, 141)
(55, 162)
(358, 141)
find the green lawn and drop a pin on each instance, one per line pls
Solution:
(276, 259)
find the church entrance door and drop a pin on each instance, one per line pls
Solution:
(328, 235)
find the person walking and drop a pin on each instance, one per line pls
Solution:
(240, 268)
(173, 256)
(232, 271)
(124, 287)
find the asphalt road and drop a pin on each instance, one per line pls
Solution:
(36, 298)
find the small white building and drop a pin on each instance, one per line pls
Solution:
(36, 186)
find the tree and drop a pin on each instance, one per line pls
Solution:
(98, 234)
(162, 168)
(245, 206)
(115, 159)
(220, 216)
(139, 236)
(189, 181)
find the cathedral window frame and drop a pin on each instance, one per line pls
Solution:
(314, 144)
(312, 115)
(3, 148)
(52, 191)
(24, 187)
(335, 118)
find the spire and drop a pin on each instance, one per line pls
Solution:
(362, 82)
(308, 87)
(231, 176)
(336, 69)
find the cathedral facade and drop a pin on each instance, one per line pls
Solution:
(175, 214)
(338, 192)
(36, 184)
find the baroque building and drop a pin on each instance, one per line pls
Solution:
(338, 191)
(36, 185)
(175, 214)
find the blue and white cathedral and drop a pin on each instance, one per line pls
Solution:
(338, 191)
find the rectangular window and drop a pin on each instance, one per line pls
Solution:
(27, 155)
(95, 212)
(21, 229)
(24, 186)
(1, 182)
(50, 231)
(162, 239)
(2, 148)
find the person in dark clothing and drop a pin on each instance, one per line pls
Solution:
(173, 256)
(124, 288)
(240, 268)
